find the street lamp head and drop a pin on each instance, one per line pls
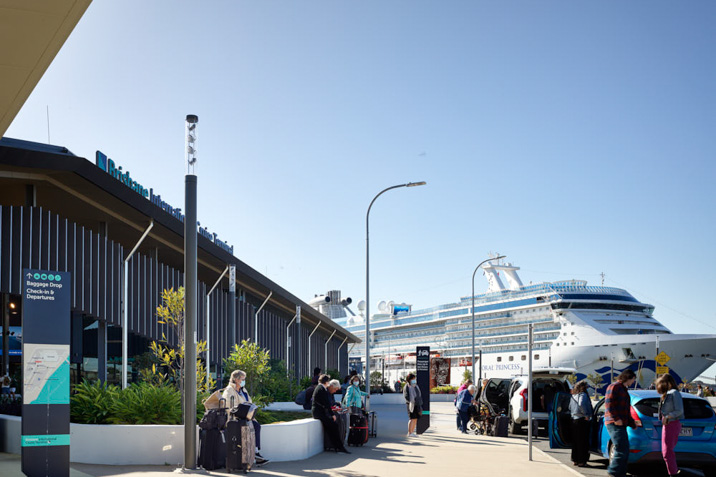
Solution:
(415, 184)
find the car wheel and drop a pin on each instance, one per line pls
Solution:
(515, 428)
(611, 451)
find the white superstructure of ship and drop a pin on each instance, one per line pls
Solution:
(596, 329)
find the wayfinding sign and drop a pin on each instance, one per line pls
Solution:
(422, 362)
(46, 373)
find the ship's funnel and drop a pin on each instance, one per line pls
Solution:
(319, 300)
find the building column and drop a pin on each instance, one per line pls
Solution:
(102, 351)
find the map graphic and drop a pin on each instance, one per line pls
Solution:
(47, 374)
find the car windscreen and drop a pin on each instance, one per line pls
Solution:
(693, 408)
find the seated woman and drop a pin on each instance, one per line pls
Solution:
(353, 395)
(235, 394)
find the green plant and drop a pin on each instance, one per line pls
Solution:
(92, 403)
(572, 378)
(305, 382)
(145, 403)
(334, 374)
(376, 379)
(271, 417)
(252, 360)
(466, 375)
(165, 364)
(443, 390)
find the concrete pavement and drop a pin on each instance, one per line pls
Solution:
(440, 451)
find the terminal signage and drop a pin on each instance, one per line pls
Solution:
(422, 364)
(46, 373)
(115, 170)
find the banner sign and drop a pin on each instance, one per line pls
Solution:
(423, 375)
(46, 373)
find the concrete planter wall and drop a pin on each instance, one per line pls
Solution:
(159, 445)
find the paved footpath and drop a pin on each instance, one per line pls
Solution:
(440, 451)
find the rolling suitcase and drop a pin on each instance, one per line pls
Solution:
(500, 427)
(358, 432)
(372, 424)
(212, 449)
(240, 445)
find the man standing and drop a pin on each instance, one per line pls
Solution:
(617, 417)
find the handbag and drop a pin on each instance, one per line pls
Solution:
(214, 400)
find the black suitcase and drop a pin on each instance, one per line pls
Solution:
(372, 424)
(212, 449)
(240, 445)
(358, 432)
(500, 428)
(342, 421)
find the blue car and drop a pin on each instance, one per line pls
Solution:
(697, 442)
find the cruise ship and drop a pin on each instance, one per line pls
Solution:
(597, 330)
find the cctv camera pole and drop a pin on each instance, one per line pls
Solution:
(190, 287)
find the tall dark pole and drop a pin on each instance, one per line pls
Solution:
(190, 288)
(479, 383)
(367, 279)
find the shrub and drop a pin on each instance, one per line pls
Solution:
(251, 359)
(443, 390)
(92, 403)
(145, 403)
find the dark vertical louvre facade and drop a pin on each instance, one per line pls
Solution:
(32, 237)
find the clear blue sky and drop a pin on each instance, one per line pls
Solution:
(574, 137)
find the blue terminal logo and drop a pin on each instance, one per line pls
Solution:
(58, 278)
(43, 276)
(51, 277)
(36, 276)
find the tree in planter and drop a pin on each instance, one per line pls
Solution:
(167, 362)
(376, 380)
(254, 361)
(466, 375)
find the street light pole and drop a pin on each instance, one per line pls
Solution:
(479, 383)
(367, 279)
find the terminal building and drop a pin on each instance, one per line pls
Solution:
(66, 213)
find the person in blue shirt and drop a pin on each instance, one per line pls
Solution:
(353, 395)
(464, 400)
(580, 407)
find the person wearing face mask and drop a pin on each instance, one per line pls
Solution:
(414, 402)
(235, 394)
(353, 395)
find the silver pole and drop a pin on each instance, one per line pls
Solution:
(190, 287)
(339, 354)
(125, 307)
(473, 317)
(529, 389)
(309, 347)
(367, 279)
(208, 328)
(288, 343)
(325, 351)
(256, 317)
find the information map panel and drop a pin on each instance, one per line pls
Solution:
(46, 372)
